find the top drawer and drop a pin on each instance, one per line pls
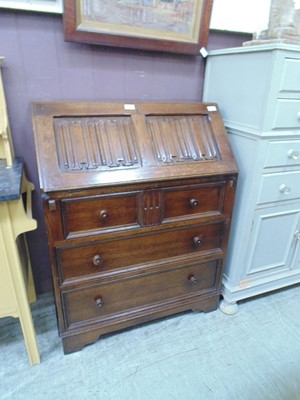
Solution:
(88, 215)
(290, 81)
(283, 153)
(191, 200)
(91, 215)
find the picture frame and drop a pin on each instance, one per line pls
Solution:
(177, 26)
(49, 6)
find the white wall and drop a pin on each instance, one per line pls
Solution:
(240, 15)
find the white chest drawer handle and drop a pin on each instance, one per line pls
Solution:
(285, 189)
(298, 115)
(294, 154)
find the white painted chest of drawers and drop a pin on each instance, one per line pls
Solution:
(258, 92)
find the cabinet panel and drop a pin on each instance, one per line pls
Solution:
(273, 241)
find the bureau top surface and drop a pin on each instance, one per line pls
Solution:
(82, 145)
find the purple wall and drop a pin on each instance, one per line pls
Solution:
(39, 65)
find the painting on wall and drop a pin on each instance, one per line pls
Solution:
(162, 25)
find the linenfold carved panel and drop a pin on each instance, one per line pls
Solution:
(152, 202)
(93, 143)
(182, 138)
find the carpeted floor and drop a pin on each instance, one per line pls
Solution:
(253, 355)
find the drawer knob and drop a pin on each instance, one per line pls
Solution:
(97, 260)
(285, 189)
(99, 301)
(194, 202)
(197, 241)
(192, 279)
(104, 215)
(294, 154)
(297, 235)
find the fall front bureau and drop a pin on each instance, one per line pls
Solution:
(138, 201)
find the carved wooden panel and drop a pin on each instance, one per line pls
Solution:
(182, 139)
(151, 207)
(94, 143)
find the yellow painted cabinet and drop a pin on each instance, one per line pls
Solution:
(16, 282)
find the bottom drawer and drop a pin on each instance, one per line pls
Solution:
(100, 302)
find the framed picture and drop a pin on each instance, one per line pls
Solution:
(178, 26)
(51, 6)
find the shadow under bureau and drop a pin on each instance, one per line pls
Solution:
(138, 201)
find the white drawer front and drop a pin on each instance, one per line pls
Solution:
(287, 114)
(283, 153)
(279, 186)
(290, 81)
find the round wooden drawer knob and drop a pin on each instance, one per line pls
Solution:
(97, 260)
(99, 301)
(197, 241)
(104, 215)
(194, 203)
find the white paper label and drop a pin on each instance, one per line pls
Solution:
(129, 107)
(203, 52)
(211, 108)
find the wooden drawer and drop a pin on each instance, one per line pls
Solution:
(283, 153)
(104, 301)
(290, 81)
(191, 200)
(287, 114)
(88, 215)
(103, 257)
(279, 186)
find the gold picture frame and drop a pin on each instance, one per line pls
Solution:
(178, 26)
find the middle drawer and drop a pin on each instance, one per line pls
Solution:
(89, 261)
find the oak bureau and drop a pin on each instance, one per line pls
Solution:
(138, 201)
